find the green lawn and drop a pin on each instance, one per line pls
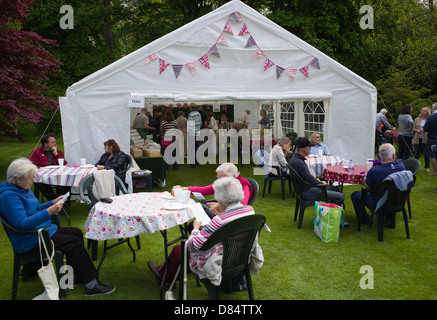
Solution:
(298, 265)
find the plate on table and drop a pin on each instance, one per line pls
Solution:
(174, 206)
(87, 166)
(51, 167)
(311, 156)
(167, 196)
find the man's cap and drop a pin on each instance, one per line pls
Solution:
(302, 142)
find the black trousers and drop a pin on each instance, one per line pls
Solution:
(69, 240)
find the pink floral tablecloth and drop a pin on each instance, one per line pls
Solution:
(317, 164)
(391, 134)
(342, 175)
(132, 214)
(62, 176)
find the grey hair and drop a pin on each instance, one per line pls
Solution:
(283, 141)
(386, 151)
(228, 169)
(20, 168)
(228, 191)
(434, 105)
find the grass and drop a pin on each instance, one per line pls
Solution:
(298, 265)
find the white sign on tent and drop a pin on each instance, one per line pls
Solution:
(135, 102)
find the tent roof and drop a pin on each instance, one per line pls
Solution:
(181, 38)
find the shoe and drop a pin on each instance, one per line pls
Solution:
(100, 288)
(427, 169)
(155, 270)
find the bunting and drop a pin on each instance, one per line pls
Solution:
(234, 17)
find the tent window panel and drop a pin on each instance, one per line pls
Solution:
(268, 107)
(314, 115)
(287, 117)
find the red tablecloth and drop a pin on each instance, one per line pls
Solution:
(340, 174)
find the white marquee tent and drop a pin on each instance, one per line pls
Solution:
(232, 55)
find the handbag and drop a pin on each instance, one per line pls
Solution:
(327, 220)
(47, 273)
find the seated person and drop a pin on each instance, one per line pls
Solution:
(48, 155)
(375, 176)
(226, 169)
(113, 158)
(297, 162)
(22, 210)
(229, 194)
(318, 146)
(277, 156)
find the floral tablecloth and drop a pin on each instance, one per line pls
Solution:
(70, 176)
(317, 164)
(342, 175)
(132, 214)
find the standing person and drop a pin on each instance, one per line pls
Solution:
(141, 124)
(265, 120)
(22, 210)
(113, 158)
(168, 124)
(381, 119)
(48, 155)
(157, 117)
(242, 121)
(431, 128)
(182, 123)
(405, 138)
(203, 116)
(420, 138)
(194, 123)
(223, 121)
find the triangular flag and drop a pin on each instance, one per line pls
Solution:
(235, 17)
(162, 65)
(304, 70)
(258, 54)
(240, 16)
(214, 51)
(243, 30)
(177, 69)
(192, 67)
(315, 63)
(250, 42)
(222, 40)
(204, 61)
(279, 71)
(150, 58)
(292, 73)
(268, 63)
(227, 28)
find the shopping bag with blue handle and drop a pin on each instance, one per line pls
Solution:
(327, 221)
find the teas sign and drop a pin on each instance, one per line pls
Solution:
(135, 102)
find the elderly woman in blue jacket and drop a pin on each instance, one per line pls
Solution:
(21, 209)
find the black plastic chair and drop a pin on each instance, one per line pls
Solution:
(395, 203)
(302, 204)
(90, 200)
(237, 237)
(413, 165)
(282, 177)
(255, 190)
(24, 259)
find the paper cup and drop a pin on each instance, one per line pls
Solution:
(185, 196)
(369, 165)
(346, 163)
(82, 161)
(178, 194)
(61, 162)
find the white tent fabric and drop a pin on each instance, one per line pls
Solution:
(95, 108)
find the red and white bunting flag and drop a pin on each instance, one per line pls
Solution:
(304, 70)
(258, 54)
(244, 30)
(222, 40)
(151, 57)
(268, 63)
(204, 61)
(228, 28)
(315, 63)
(192, 67)
(292, 73)
(162, 65)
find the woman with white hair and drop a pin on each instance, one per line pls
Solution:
(21, 209)
(226, 169)
(229, 194)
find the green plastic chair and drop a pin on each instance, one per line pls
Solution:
(395, 203)
(269, 179)
(302, 204)
(413, 165)
(237, 237)
(23, 259)
(255, 190)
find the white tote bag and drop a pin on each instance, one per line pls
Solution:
(47, 273)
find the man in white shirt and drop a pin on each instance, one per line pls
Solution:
(242, 121)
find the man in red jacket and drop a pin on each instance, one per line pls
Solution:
(48, 155)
